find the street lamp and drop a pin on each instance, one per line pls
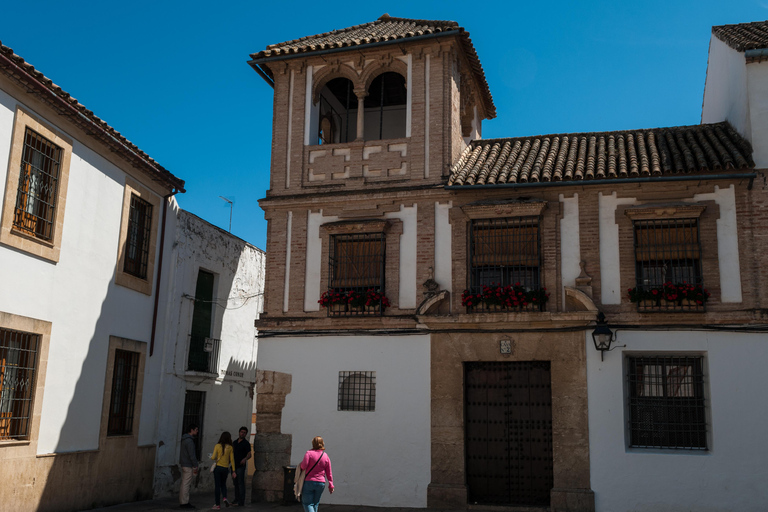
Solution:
(602, 335)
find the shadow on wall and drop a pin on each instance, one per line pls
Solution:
(116, 470)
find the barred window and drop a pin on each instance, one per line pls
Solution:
(38, 186)
(667, 251)
(139, 231)
(666, 403)
(504, 252)
(357, 391)
(356, 269)
(18, 368)
(123, 397)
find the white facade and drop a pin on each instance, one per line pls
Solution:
(380, 456)
(238, 269)
(729, 475)
(78, 295)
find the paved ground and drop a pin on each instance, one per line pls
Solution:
(204, 501)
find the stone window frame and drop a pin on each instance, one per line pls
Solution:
(13, 449)
(118, 343)
(461, 217)
(9, 235)
(705, 212)
(123, 278)
(392, 229)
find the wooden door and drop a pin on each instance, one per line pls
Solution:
(508, 429)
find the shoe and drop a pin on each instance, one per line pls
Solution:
(226, 503)
(215, 507)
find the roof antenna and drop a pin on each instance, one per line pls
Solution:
(231, 205)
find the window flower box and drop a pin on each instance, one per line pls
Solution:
(505, 298)
(682, 296)
(353, 303)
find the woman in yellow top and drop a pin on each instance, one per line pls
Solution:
(225, 459)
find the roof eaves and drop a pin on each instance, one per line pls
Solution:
(23, 73)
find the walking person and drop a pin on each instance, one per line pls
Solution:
(241, 449)
(189, 464)
(222, 454)
(317, 467)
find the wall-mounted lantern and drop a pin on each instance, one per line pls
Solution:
(603, 336)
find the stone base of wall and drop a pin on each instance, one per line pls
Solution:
(78, 481)
(446, 496)
(272, 452)
(572, 500)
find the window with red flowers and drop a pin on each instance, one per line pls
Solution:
(668, 265)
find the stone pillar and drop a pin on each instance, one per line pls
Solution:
(271, 449)
(361, 94)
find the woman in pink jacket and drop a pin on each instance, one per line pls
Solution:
(317, 467)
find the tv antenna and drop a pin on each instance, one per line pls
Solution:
(231, 205)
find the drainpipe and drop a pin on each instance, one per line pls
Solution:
(159, 270)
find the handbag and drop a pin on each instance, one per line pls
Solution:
(299, 483)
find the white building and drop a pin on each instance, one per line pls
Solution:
(82, 234)
(215, 289)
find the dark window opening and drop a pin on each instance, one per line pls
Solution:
(337, 112)
(357, 265)
(194, 412)
(203, 351)
(38, 186)
(18, 368)
(385, 107)
(357, 391)
(666, 403)
(667, 251)
(123, 398)
(137, 241)
(504, 252)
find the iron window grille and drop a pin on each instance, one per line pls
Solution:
(123, 397)
(38, 186)
(356, 264)
(203, 354)
(194, 412)
(357, 391)
(18, 369)
(504, 252)
(667, 251)
(666, 403)
(137, 245)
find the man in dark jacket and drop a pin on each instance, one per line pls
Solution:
(189, 464)
(242, 452)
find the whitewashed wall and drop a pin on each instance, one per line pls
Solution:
(725, 89)
(381, 457)
(730, 476)
(78, 296)
(238, 268)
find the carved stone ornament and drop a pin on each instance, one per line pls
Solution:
(666, 211)
(507, 209)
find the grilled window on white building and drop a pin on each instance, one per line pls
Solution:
(18, 367)
(123, 395)
(139, 234)
(357, 391)
(666, 402)
(38, 186)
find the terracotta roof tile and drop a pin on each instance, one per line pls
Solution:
(25, 74)
(743, 36)
(605, 155)
(386, 28)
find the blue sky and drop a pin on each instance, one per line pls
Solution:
(172, 76)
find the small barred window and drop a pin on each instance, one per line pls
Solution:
(357, 391)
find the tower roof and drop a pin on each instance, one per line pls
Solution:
(384, 30)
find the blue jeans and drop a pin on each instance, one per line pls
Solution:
(220, 479)
(240, 485)
(310, 495)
